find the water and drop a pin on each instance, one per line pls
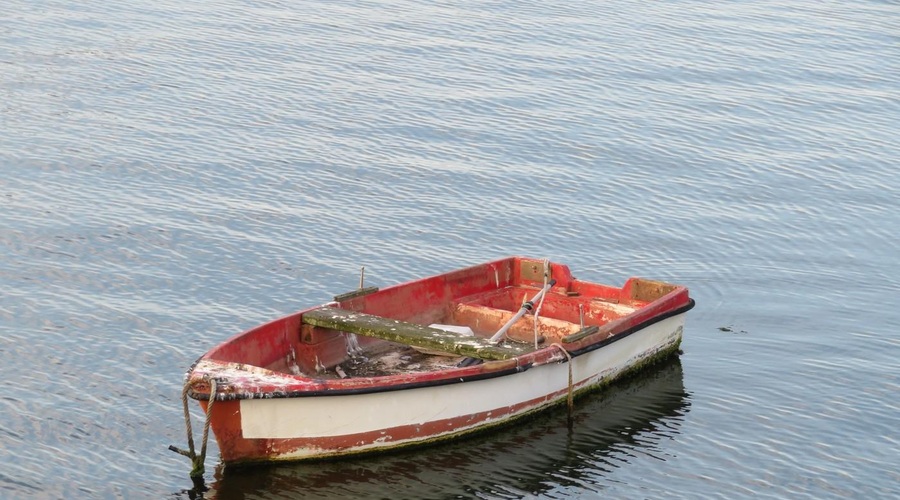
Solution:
(171, 174)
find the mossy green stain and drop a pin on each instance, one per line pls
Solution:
(411, 334)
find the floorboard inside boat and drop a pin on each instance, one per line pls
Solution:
(393, 361)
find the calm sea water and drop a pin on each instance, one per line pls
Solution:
(172, 173)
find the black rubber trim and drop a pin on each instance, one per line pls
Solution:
(619, 336)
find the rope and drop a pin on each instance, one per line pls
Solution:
(209, 406)
(187, 424)
(197, 461)
(570, 398)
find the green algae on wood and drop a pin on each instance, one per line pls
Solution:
(410, 334)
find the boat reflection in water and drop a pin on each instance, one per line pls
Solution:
(546, 452)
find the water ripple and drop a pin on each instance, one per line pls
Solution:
(175, 173)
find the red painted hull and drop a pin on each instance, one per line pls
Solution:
(278, 396)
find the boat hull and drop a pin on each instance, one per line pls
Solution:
(270, 429)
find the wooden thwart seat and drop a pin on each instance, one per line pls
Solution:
(411, 334)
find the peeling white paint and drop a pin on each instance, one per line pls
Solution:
(246, 376)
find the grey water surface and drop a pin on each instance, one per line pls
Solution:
(172, 173)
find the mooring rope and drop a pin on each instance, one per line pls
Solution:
(197, 461)
(209, 406)
(187, 423)
(570, 398)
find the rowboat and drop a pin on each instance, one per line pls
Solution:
(425, 361)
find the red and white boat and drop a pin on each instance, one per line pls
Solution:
(428, 360)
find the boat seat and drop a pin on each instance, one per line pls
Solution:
(411, 334)
(490, 319)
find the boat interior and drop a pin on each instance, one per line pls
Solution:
(373, 332)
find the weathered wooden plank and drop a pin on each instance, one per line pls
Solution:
(410, 334)
(649, 290)
(584, 332)
(355, 293)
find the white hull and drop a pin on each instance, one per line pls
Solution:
(464, 407)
